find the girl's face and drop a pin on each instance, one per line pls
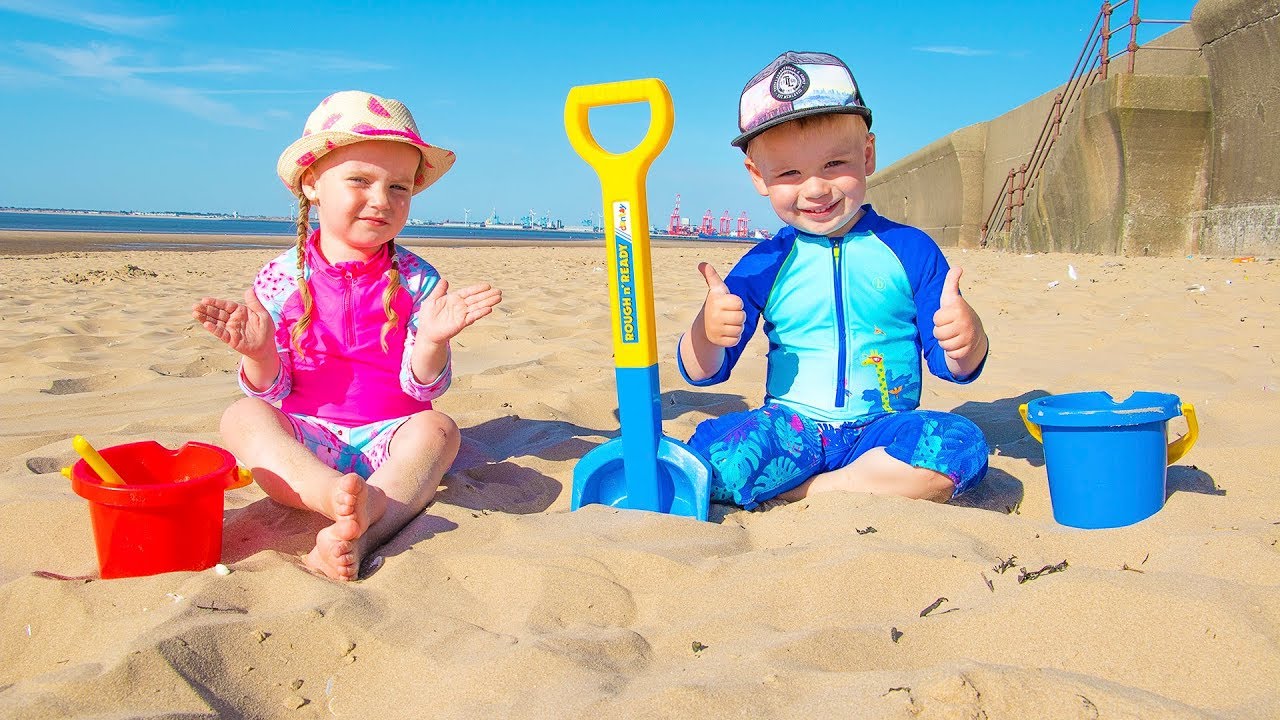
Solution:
(815, 173)
(362, 195)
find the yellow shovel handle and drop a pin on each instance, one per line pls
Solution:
(1032, 428)
(621, 174)
(1179, 447)
(626, 211)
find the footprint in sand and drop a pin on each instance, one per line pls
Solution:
(194, 369)
(104, 381)
(97, 277)
(69, 387)
(44, 465)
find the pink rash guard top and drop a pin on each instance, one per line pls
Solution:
(343, 375)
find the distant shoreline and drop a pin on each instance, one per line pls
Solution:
(142, 214)
(44, 242)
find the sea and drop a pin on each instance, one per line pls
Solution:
(179, 225)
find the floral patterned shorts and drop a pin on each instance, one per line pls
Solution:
(758, 454)
(361, 449)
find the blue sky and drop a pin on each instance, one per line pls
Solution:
(186, 106)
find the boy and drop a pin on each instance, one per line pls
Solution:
(850, 301)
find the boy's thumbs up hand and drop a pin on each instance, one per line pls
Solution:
(951, 286)
(722, 315)
(956, 326)
(714, 282)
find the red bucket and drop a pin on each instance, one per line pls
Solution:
(168, 514)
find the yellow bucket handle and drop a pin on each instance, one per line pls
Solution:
(244, 476)
(1179, 447)
(1176, 449)
(1032, 428)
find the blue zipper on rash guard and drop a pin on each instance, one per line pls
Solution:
(840, 334)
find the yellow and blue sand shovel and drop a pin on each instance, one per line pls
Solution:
(643, 469)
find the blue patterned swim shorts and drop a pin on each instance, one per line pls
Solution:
(758, 454)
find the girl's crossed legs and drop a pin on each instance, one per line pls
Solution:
(309, 464)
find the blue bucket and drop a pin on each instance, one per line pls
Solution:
(1107, 460)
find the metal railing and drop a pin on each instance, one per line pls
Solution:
(1091, 66)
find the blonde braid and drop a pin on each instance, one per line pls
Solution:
(304, 230)
(393, 284)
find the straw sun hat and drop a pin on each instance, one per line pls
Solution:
(352, 116)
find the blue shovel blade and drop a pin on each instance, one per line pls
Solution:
(683, 480)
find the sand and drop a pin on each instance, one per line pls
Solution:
(499, 602)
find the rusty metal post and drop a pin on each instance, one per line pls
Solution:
(1133, 35)
(1022, 184)
(1103, 51)
(1008, 201)
(1057, 117)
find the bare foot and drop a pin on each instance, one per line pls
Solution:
(349, 500)
(335, 552)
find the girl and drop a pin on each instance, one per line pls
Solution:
(349, 333)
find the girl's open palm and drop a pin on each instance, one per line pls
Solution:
(444, 314)
(245, 327)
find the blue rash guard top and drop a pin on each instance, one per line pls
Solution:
(847, 318)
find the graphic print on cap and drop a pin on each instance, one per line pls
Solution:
(789, 83)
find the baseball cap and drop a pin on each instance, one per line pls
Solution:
(797, 84)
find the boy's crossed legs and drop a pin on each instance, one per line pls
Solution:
(774, 451)
(879, 473)
(294, 462)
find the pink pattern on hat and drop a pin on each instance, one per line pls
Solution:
(376, 108)
(365, 115)
(367, 129)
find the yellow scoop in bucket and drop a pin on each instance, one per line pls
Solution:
(96, 462)
(642, 470)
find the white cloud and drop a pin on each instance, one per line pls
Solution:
(71, 14)
(314, 61)
(209, 67)
(22, 77)
(319, 92)
(189, 100)
(103, 63)
(102, 60)
(94, 61)
(117, 69)
(953, 50)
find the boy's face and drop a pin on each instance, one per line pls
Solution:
(815, 172)
(362, 192)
